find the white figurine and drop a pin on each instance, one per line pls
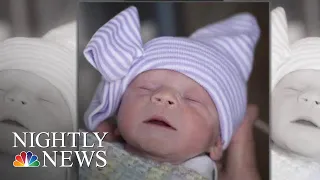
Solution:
(37, 94)
(295, 120)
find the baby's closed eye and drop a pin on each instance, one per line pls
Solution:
(45, 100)
(192, 99)
(144, 88)
(292, 91)
(147, 87)
(295, 91)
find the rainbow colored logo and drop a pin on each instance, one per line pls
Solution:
(26, 160)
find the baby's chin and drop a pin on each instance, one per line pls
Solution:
(299, 135)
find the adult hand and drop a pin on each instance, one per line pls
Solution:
(241, 157)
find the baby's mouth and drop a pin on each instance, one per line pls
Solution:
(13, 122)
(306, 122)
(160, 121)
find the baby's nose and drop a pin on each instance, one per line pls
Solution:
(16, 97)
(165, 97)
(311, 98)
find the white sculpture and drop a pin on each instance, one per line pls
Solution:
(295, 113)
(37, 93)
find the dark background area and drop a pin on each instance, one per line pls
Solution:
(181, 19)
(35, 17)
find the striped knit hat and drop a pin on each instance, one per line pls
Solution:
(48, 59)
(219, 57)
(286, 58)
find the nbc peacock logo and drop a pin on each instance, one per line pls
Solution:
(26, 160)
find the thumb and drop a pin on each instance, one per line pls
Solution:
(251, 114)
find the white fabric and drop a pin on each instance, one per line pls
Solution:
(65, 35)
(287, 166)
(286, 57)
(203, 165)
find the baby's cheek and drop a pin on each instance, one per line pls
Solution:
(129, 115)
(199, 138)
(206, 121)
(284, 107)
(200, 127)
(123, 116)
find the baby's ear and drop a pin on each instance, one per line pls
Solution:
(216, 150)
(107, 126)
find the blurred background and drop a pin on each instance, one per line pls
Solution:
(303, 16)
(179, 19)
(35, 17)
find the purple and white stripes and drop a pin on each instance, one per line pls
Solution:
(119, 41)
(219, 57)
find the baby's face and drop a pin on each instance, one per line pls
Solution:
(167, 114)
(296, 113)
(32, 102)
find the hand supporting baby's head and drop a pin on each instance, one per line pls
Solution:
(295, 90)
(204, 75)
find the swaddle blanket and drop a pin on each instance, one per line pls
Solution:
(289, 166)
(123, 166)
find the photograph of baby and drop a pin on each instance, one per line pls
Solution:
(38, 94)
(295, 148)
(174, 89)
(37, 82)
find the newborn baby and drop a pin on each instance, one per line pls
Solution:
(177, 100)
(295, 104)
(37, 94)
